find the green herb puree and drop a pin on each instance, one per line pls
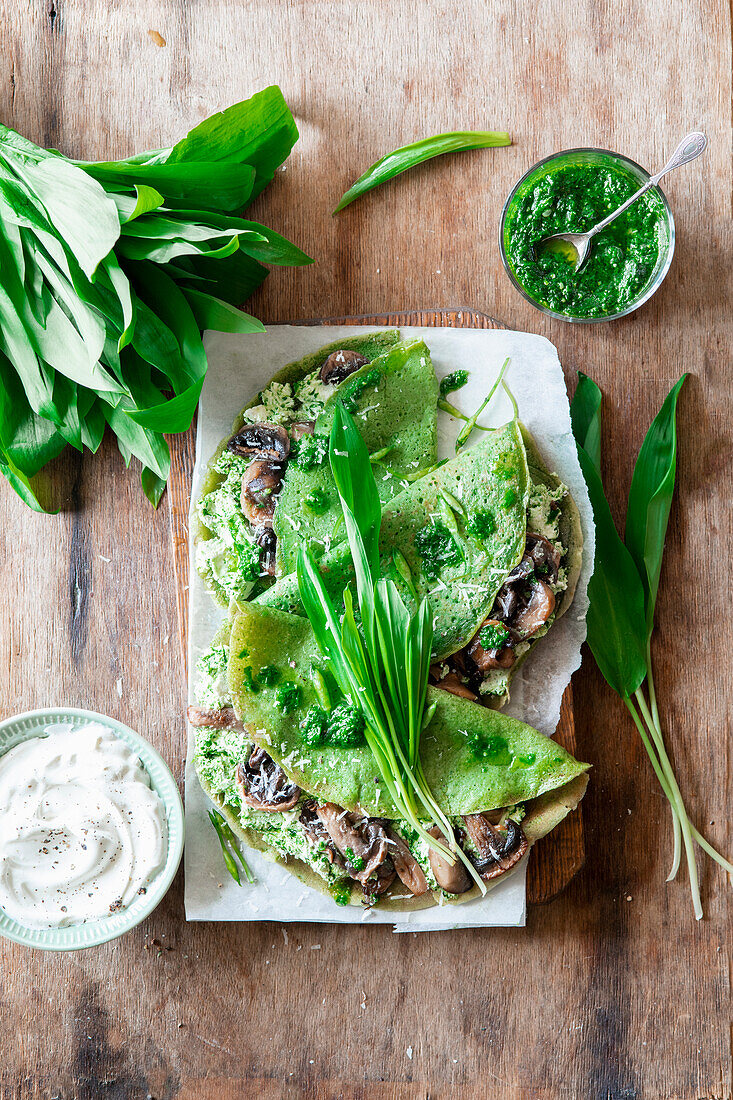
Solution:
(573, 198)
(452, 382)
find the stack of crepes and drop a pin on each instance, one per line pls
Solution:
(491, 537)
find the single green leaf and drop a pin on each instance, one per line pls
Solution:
(153, 486)
(158, 345)
(354, 477)
(616, 633)
(21, 484)
(162, 251)
(28, 441)
(212, 313)
(146, 200)
(397, 162)
(233, 278)
(270, 247)
(211, 184)
(169, 304)
(259, 132)
(650, 499)
(585, 416)
(174, 415)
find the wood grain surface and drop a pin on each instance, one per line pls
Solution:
(612, 992)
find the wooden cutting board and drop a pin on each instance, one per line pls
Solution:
(557, 858)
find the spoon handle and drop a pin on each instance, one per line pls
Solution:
(689, 148)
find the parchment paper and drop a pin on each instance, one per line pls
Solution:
(240, 366)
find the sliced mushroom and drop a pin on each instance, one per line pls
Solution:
(260, 485)
(485, 659)
(301, 428)
(219, 718)
(544, 555)
(317, 833)
(541, 605)
(363, 842)
(264, 784)
(261, 441)
(339, 365)
(452, 683)
(408, 869)
(453, 878)
(498, 851)
(266, 539)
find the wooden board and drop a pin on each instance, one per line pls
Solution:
(613, 991)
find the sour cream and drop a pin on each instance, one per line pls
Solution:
(81, 831)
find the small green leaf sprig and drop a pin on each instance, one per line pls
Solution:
(230, 848)
(623, 593)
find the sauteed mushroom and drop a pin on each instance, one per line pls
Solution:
(266, 539)
(498, 851)
(260, 485)
(538, 610)
(261, 441)
(339, 365)
(364, 843)
(452, 683)
(264, 784)
(317, 833)
(408, 869)
(544, 555)
(301, 428)
(221, 718)
(454, 879)
(500, 657)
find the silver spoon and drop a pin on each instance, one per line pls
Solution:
(576, 246)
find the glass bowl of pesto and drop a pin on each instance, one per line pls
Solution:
(570, 192)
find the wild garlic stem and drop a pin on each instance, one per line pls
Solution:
(656, 731)
(675, 796)
(651, 753)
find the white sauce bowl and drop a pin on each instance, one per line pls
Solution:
(21, 728)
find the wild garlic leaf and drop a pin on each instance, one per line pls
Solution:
(650, 499)
(585, 416)
(168, 302)
(212, 313)
(397, 162)
(615, 620)
(171, 415)
(259, 132)
(78, 207)
(210, 185)
(153, 486)
(28, 441)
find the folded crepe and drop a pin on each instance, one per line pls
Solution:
(322, 810)
(269, 483)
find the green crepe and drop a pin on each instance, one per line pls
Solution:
(478, 501)
(393, 400)
(370, 345)
(515, 762)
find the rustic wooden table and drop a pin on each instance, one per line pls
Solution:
(612, 990)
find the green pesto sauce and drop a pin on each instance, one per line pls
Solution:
(437, 547)
(288, 697)
(453, 382)
(572, 198)
(481, 523)
(495, 750)
(343, 727)
(310, 451)
(318, 501)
